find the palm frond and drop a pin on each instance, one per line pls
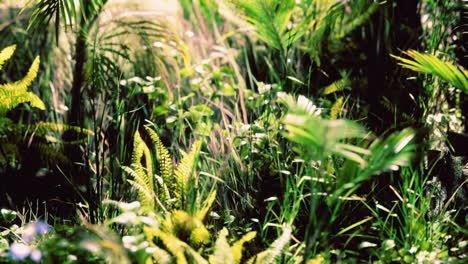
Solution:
(270, 19)
(430, 64)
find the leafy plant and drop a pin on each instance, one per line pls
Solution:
(325, 143)
(430, 64)
(13, 134)
(169, 185)
(11, 95)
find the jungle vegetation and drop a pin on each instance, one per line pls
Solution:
(241, 131)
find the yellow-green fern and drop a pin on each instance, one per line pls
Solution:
(6, 54)
(336, 108)
(13, 94)
(172, 184)
(336, 86)
(183, 173)
(166, 168)
(222, 253)
(142, 175)
(34, 135)
(239, 245)
(268, 256)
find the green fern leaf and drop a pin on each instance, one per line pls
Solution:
(166, 169)
(268, 256)
(6, 54)
(336, 86)
(201, 214)
(183, 173)
(143, 175)
(336, 108)
(16, 93)
(222, 252)
(238, 246)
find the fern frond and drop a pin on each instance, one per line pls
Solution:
(336, 108)
(144, 174)
(201, 214)
(16, 93)
(47, 151)
(166, 168)
(24, 83)
(222, 252)
(238, 246)
(426, 63)
(268, 256)
(174, 245)
(336, 86)
(6, 54)
(183, 173)
(145, 196)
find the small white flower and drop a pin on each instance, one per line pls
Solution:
(413, 249)
(200, 69)
(129, 206)
(126, 217)
(128, 240)
(158, 44)
(366, 244)
(150, 250)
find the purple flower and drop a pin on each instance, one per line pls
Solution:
(33, 229)
(36, 255)
(19, 251)
(41, 227)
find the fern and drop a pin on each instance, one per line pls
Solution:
(166, 168)
(183, 173)
(142, 175)
(336, 86)
(238, 246)
(336, 108)
(172, 184)
(11, 95)
(222, 252)
(268, 256)
(6, 54)
(430, 64)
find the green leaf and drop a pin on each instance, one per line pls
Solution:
(430, 64)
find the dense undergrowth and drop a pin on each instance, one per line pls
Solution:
(244, 131)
